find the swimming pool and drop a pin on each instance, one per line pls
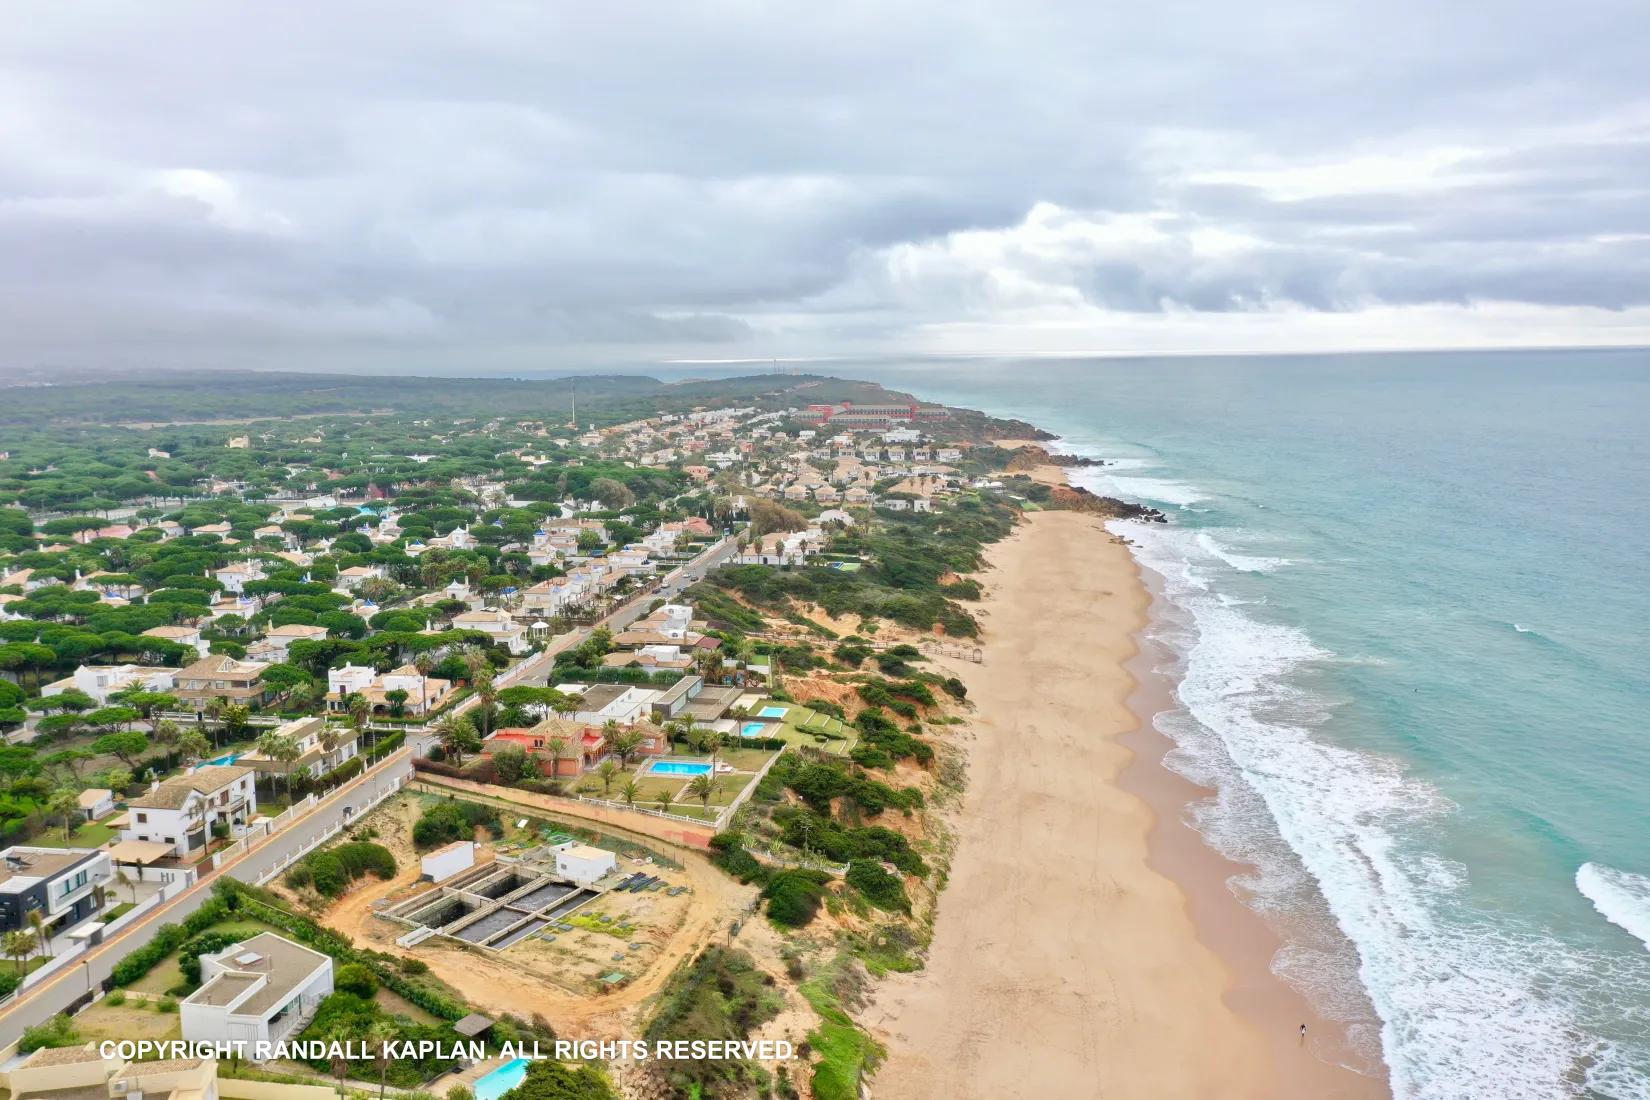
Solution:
(751, 729)
(771, 712)
(675, 767)
(226, 758)
(501, 1080)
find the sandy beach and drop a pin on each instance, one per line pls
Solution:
(1066, 960)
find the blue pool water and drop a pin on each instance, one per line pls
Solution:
(677, 767)
(771, 712)
(501, 1080)
(751, 729)
(226, 758)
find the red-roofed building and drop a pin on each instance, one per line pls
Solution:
(582, 747)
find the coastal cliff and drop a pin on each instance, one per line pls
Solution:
(1072, 498)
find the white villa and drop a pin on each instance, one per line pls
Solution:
(320, 749)
(424, 693)
(500, 628)
(102, 681)
(182, 811)
(257, 991)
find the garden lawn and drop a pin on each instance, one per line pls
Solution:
(803, 725)
(133, 1020)
(93, 834)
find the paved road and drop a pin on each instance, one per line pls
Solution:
(535, 670)
(59, 992)
(63, 989)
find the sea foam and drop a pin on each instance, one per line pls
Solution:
(1622, 897)
(1470, 1005)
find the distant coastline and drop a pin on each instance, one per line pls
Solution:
(1067, 609)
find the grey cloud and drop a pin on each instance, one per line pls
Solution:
(533, 181)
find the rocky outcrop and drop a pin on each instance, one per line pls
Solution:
(1027, 458)
(1070, 498)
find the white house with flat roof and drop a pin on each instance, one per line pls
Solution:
(61, 884)
(257, 991)
(584, 864)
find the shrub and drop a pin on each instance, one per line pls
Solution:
(794, 896)
(453, 820)
(167, 939)
(116, 998)
(881, 889)
(59, 1031)
(167, 1004)
(327, 873)
(356, 978)
(189, 955)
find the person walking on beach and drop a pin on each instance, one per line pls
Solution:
(1303, 1033)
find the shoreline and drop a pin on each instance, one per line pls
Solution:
(1163, 985)
(1240, 936)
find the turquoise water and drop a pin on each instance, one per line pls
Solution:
(751, 729)
(501, 1080)
(1409, 600)
(226, 758)
(677, 767)
(772, 712)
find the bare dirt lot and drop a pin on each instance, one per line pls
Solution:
(555, 979)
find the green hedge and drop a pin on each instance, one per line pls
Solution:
(331, 943)
(167, 939)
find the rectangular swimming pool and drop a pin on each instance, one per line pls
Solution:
(772, 712)
(677, 767)
(501, 1080)
(751, 729)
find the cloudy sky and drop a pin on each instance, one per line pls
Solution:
(502, 185)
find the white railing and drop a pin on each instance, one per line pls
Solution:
(639, 808)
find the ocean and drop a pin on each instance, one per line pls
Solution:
(1408, 603)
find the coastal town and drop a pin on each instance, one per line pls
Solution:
(375, 727)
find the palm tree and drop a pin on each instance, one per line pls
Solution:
(283, 749)
(474, 661)
(37, 925)
(487, 691)
(630, 792)
(456, 735)
(664, 798)
(123, 879)
(166, 734)
(425, 664)
(214, 710)
(708, 740)
(18, 944)
(558, 751)
(704, 788)
(625, 744)
(360, 710)
(606, 772)
(380, 1035)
